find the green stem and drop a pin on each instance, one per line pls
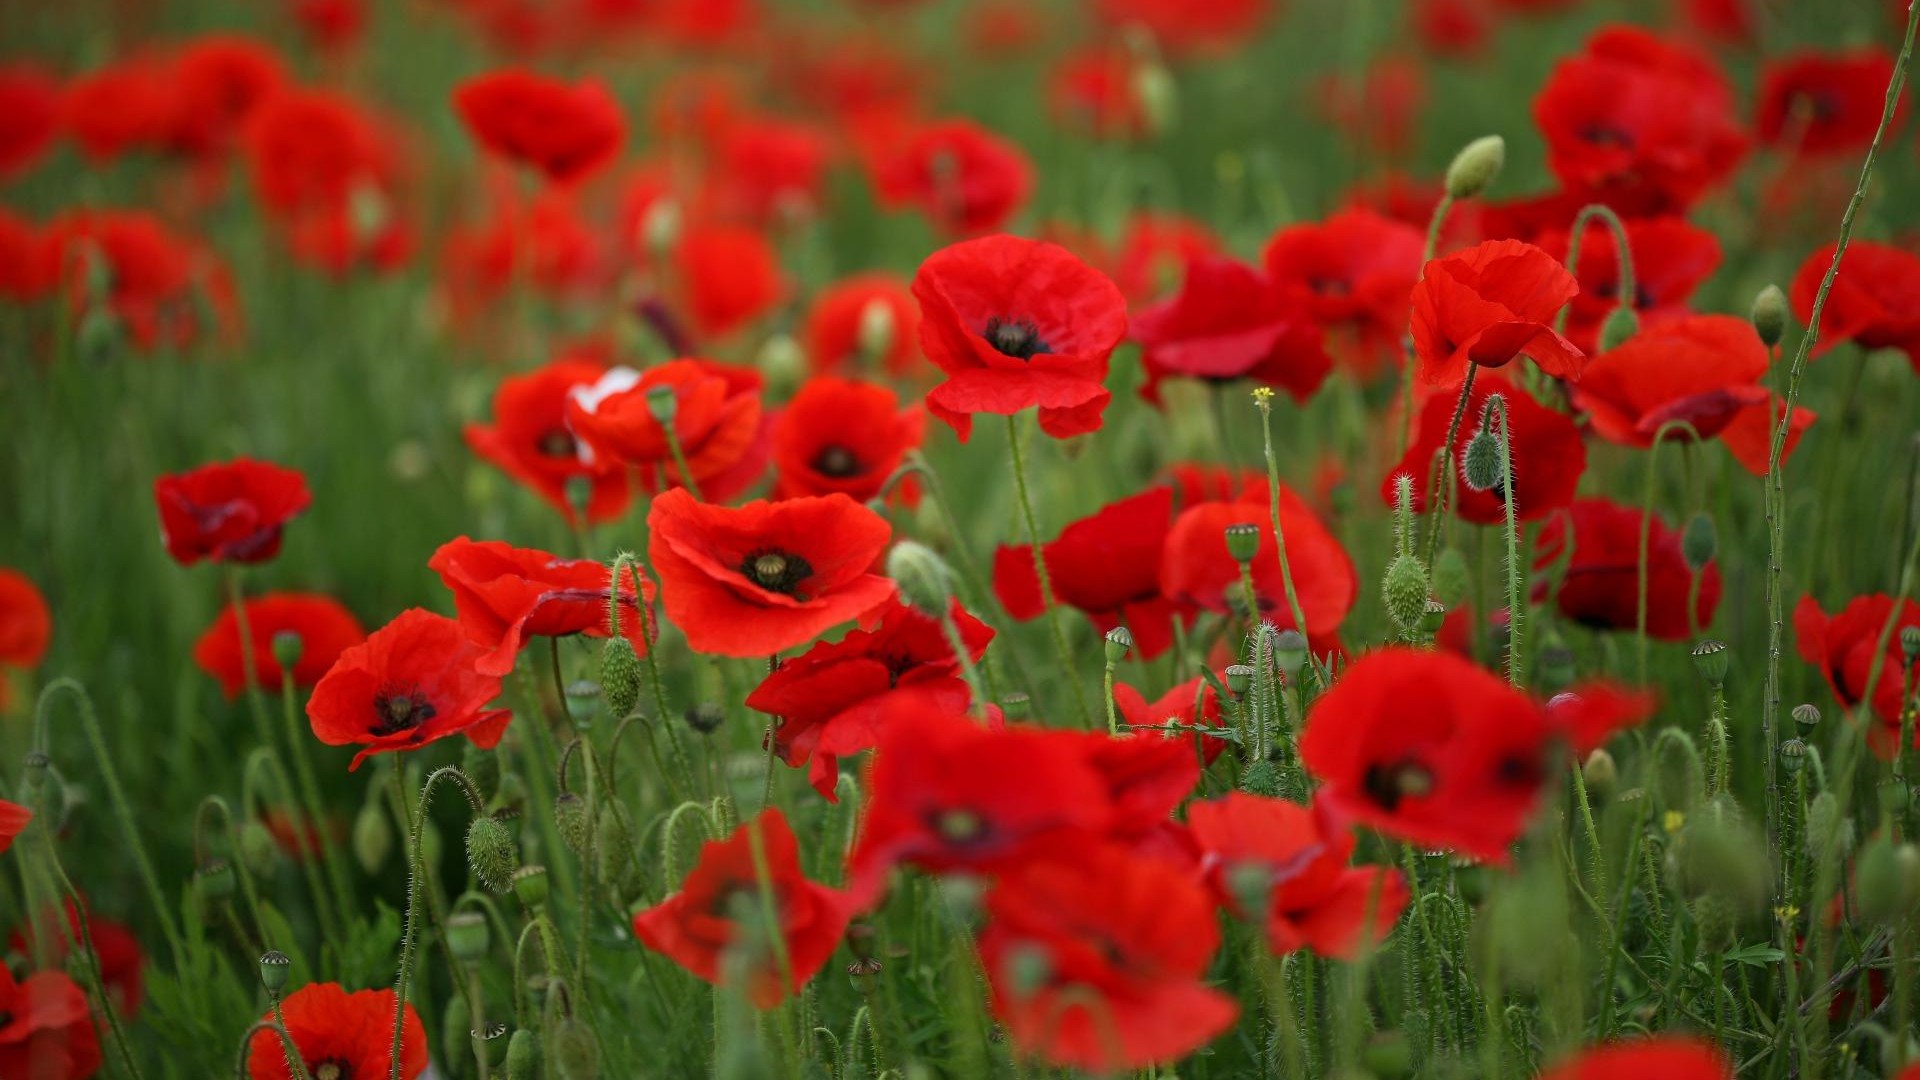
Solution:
(1434, 225)
(1516, 572)
(415, 824)
(1063, 653)
(1273, 506)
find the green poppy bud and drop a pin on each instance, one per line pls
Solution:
(287, 647)
(1451, 579)
(663, 403)
(1239, 678)
(1388, 1055)
(213, 882)
(926, 584)
(523, 1055)
(1016, 706)
(576, 1054)
(1261, 778)
(1405, 591)
(705, 717)
(782, 362)
(1289, 650)
(877, 330)
(1475, 166)
(1910, 643)
(372, 837)
(570, 820)
(1699, 542)
(456, 1021)
(1770, 315)
(1884, 880)
(1600, 773)
(619, 677)
(491, 852)
(1484, 465)
(467, 936)
(258, 851)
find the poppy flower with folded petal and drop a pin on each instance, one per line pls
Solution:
(350, 1031)
(1194, 703)
(1197, 570)
(1229, 322)
(963, 177)
(1701, 370)
(1354, 272)
(1666, 1057)
(30, 106)
(767, 576)
(1874, 302)
(1106, 565)
(48, 1032)
(1749, 435)
(1842, 646)
(565, 132)
(1430, 748)
(1099, 963)
(838, 327)
(504, 595)
(26, 626)
(322, 625)
(717, 419)
(1548, 456)
(411, 682)
(1671, 258)
(230, 511)
(1294, 859)
(697, 926)
(845, 436)
(529, 439)
(1017, 324)
(1817, 103)
(13, 822)
(1601, 584)
(1488, 305)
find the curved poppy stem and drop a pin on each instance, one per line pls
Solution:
(958, 643)
(1646, 537)
(249, 667)
(1437, 498)
(1434, 224)
(1625, 287)
(1060, 647)
(309, 787)
(1264, 401)
(415, 824)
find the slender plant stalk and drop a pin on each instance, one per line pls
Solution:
(1434, 224)
(1265, 403)
(1062, 651)
(1516, 571)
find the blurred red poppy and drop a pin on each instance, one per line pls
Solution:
(13, 822)
(1194, 703)
(1153, 252)
(1874, 302)
(845, 436)
(329, 171)
(1600, 587)
(411, 682)
(529, 439)
(322, 625)
(1354, 272)
(122, 964)
(1702, 370)
(352, 1032)
(1671, 258)
(1227, 322)
(717, 419)
(1844, 645)
(24, 273)
(30, 106)
(770, 171)
(1548, 455)
(1197, 569)
(1183, 27)
(728, 276)
(1816, 103)
(964, 178)
(26, 626)
(1667, 1057)
(1107, 565)
(163, 288)
(1093, 92)
(1457, 28)
(331, 25)
(230, 511)
(565, 132)
(541, 244)
(1488, 305)
(49, 1033)
(504, 595)
(219, 81)
(864, 320)
(125, 105)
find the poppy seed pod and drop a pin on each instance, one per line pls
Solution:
(1239, 678)
(924, 580)
(619, 677)
(1806, 714)
(1910, 643)
(490, 1045)
(1475, 166)
(705, 717)
(1793, 756)
(467, 936)
(275, 966)
(1770, 315)
(1711, 658)
(1016, 706)
(1484, 465)
(1119, 643)
(530, 885)
(523, 1055)
(1620, 324)
(491, 853)
(1289, 650)
(287, 647)
(1699, 542)
(1405, 591)
(1243, 541)
(1451, 579)
(213, 882)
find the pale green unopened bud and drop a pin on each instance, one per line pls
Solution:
(482, 767)
(1405, 591)
(1620, 324)
(213, 882)
(877, 329)
(663, 403)
(1829, 832)
(660, 228)
(1262, 778)
(372, 838)
(467, 935)
(1884, 880)
(1029, 968)
(1475, 166)
(1600, 773)
(1770, 315)
(783, 362)
(1699, 542)
(287, 647)
(257, 849)
(1388, 1055)
(1016, 706)
(925, 582)
(491, 852)
(1289, 650)
(1451, 580)
(456, 1022)
(619, 677)
(1158, 94)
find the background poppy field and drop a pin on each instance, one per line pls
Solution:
(633, 428)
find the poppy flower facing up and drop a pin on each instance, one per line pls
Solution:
(1842, 646)
(412, 682)
(861, 313)
(964, 178)
(1229, 322)
(699, 925)
(716, 417)
(1354, 273)
(505, 595)
(838, 435)
(230, 511)
(1488, 305)
(564, 132)
(1017, 324)
(322, 625)
(1601, 585)
(530, 441)
(767, 576)
(1874, 303)
(1702, 370)
(45, 1030)
(1825, 103)
(1663, 1057)
(1106, 565)
(351, 1032)
(1197, 570)
(1548, 456)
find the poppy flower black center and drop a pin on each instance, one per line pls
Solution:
(400, 711)
(959, 825)
(1387, 783)
(1330, 286)
(330, 1069)
(559, 443)
(776, 571)
(1606, 135)
(1014, 337)
(836, 461)
(1517, 771)
(6, 1018)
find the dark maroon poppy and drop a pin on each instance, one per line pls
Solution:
(229, 511)
(1229, 322)
(1600, 586)
(1106, 565)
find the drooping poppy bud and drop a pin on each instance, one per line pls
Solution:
(1770, 315)
(491, 852)
(1475, 166)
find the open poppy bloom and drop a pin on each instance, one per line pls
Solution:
(1663, 1057)
(840, 326)
(698, 926)
(529, 439)
(505, 595)
(1147, 262)
(1874, 303)
(30, 102)
(837, 697)
(766, 576)
(1293, 859)
(1229, 322)
(219, 80)
(1672, 257)
(717, 418)
(1817, 103)
(1430, 748)
(13, 822)
(1098, 963)
(565, 132)
(1548, 455)
(1184, 28)
(122, 963)
(322, 625)
(26, 626)
(47, 1033)
(229, 511)
(352, 1033)
(411, 682)
(1488, 305)
(1842, 646)
(1701, 370)
(330, 173)
(1197, 569)
(165, 288)
(964, 178)
(839, 435)
(1354, 272)
(1106, 565)
(1601, 584)
(729, 275)
(1194, 703)
(1017, 324)
(1589, 713)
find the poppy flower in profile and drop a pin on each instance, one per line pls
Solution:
(529, 439)
(352, 1032)
(29, 116)
(26, 626)
(218, 81)
(1123, 942)
(1488, 305)
(697, 926)
(1107, 565)
(565, 132)
(123, 106)
(842, 435)
(1601, 584)
(1182, 27)
(729, 276)
(1354, 273)
(48, 1034)
(1229, 322)
(1874, 302)
(1666, 1057)
(1818, 103)
(1702, 370)
(964, 178)
(122, 963)
(322, 625)
(1153, 252)
(1197, 570)
(1842, 646)
(717, 418)
(767, 576)
(13, 822)
(1430, 748)
(411, 682)
(1194, 703)
(1548, 456)
(165, 289)
(504, 595)
(1017, 324)
(1093, 92)
(230, 511)
(1294, 860)
(865, 319)
(1671, 258)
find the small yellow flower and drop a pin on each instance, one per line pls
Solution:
(1786, 913)
(1672, 820)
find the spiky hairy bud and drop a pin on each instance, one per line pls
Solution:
(1884, 880)
(257, 848)
(619, 677)
(523, 1055)
(1483, 467)
(1475, 166)
(1600, 773)
(1405, 589)
(491, 852)
(570, 820)
(456, 1021)
(576, 1054)
(1289, 650)
(1828, 830)
(926, 584)
(1770, 315)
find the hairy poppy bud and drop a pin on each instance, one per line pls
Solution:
(1262, 778)
(1793, 756)
(467, 935)
(1620, 324)
(1451, 580)
(1806, 714)
(660, 228)
(1119, 643)
(1405, 591)
(1770, 315)
(1711, 658)
(1716, 918)
(925, 582)
(1475, 166)
(1289, 650)
(1239, 678)
(1029, 969)
(705, 717)
(782, 362)
(1828, 830)
(523, 1055)
(619, 677)
(663, 403)
(1388, 1056)
(576, 1054)
(372, 837)
(1158, 94)
(1600, 773)
(616, 847)
(1243, 542)
(1484, 465)
(1699, 542)
(287, 647)
(530, 885)
(275, 966)
(491, 852)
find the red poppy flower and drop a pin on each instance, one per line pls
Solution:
(1427, 747)
(542, 243)
(1489, 304)
(1182, 27)
(841, 435)
(1601, 586)
(1666, 1057)
(123, 106)
(412, 682)
(767, 576)
(770, 170)
(314, 152)
(1590, 713)
(1107, 565)
(1146, 776)
(13, 822)
(964, 178)
(529, 439)
(565, 132)
(504, 595)
(1295, 859)
(1875, 300)
(1092, 92)
(1124, 942)
(352, 1032)
(1229, 322)
(1194, 703)
(1671, 258)
(1154, 251)
(729, 276)
(26, 626)
(1018, 323)
(840, 326)
(29, 116)
(1354, 272)
(323, 626)
(1548, 455)
(696, 926)
(48, 1034)
(218, 82)
(165, 289)
(717, 419)
(331, 25)
(1378, 107)
(1704, 370)
(122, 963)
(24, 275)
(1842, 646)
(1453, 27)
(1749, 435)
(1197, 570)
(1825, 103)
(231, 511)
